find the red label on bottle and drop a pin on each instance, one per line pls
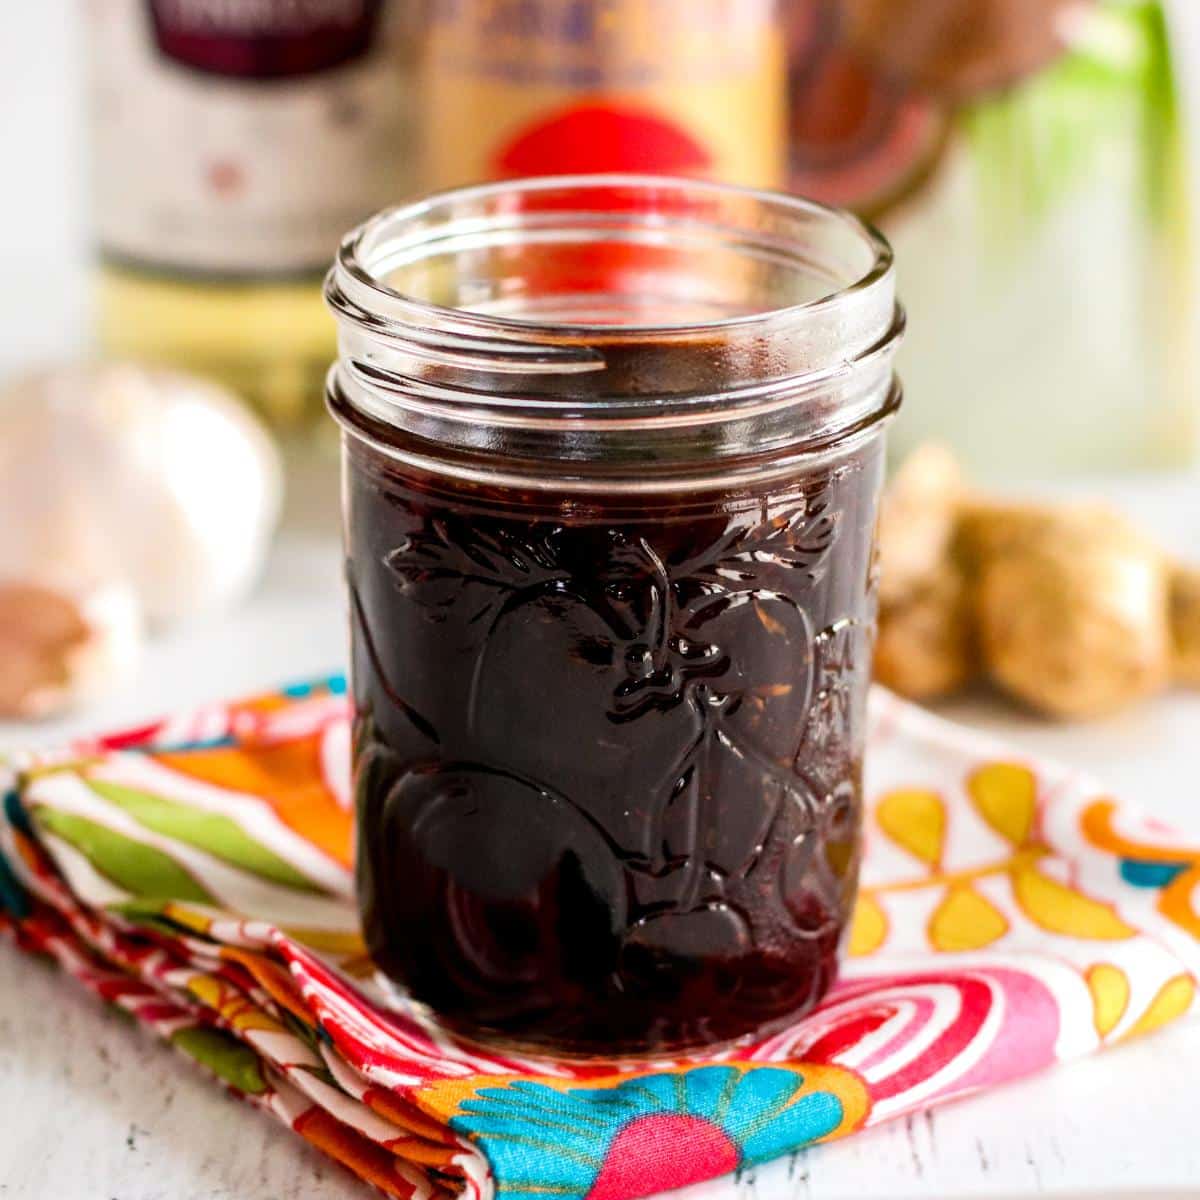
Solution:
(263, 39)
(602, 137)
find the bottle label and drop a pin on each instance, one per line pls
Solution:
(521, 87)
(243, 138)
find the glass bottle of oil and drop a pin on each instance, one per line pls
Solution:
(233, 145)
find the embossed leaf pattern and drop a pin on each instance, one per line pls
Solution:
(1005, 795)
(697, 641)
(965, 920)
(458, 553)
(916, 821)
(800, 539)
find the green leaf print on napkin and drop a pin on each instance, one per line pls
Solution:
(215, 833)
(227, 1058)
(138, 868)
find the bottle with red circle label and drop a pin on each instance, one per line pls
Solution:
(536, 87)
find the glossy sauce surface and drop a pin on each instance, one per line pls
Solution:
(609, 759)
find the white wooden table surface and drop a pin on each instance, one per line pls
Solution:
(92, 1107)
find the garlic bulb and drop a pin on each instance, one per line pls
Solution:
(128, 496)
(136, 476)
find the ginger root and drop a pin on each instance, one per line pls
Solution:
(1185, 625)
(925, 646)
(1068, 608)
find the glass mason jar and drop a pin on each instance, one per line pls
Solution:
(612, 453)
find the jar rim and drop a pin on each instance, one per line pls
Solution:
(350, 265)
(570, 398)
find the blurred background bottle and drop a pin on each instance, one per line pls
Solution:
(1026, 159)
(537, 87)
(233, 144)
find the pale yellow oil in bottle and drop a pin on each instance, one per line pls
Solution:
(270, 341)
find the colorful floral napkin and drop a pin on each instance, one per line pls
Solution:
(196, 874)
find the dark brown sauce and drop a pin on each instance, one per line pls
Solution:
(609, 762)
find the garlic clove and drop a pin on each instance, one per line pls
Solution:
(58, 648)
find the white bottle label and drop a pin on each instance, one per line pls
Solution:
(243, 138)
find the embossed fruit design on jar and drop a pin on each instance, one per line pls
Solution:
(612, 451)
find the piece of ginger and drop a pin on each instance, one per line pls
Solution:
(1066, 607)
(1185, 625)
(925, 645)
(1070, 607)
